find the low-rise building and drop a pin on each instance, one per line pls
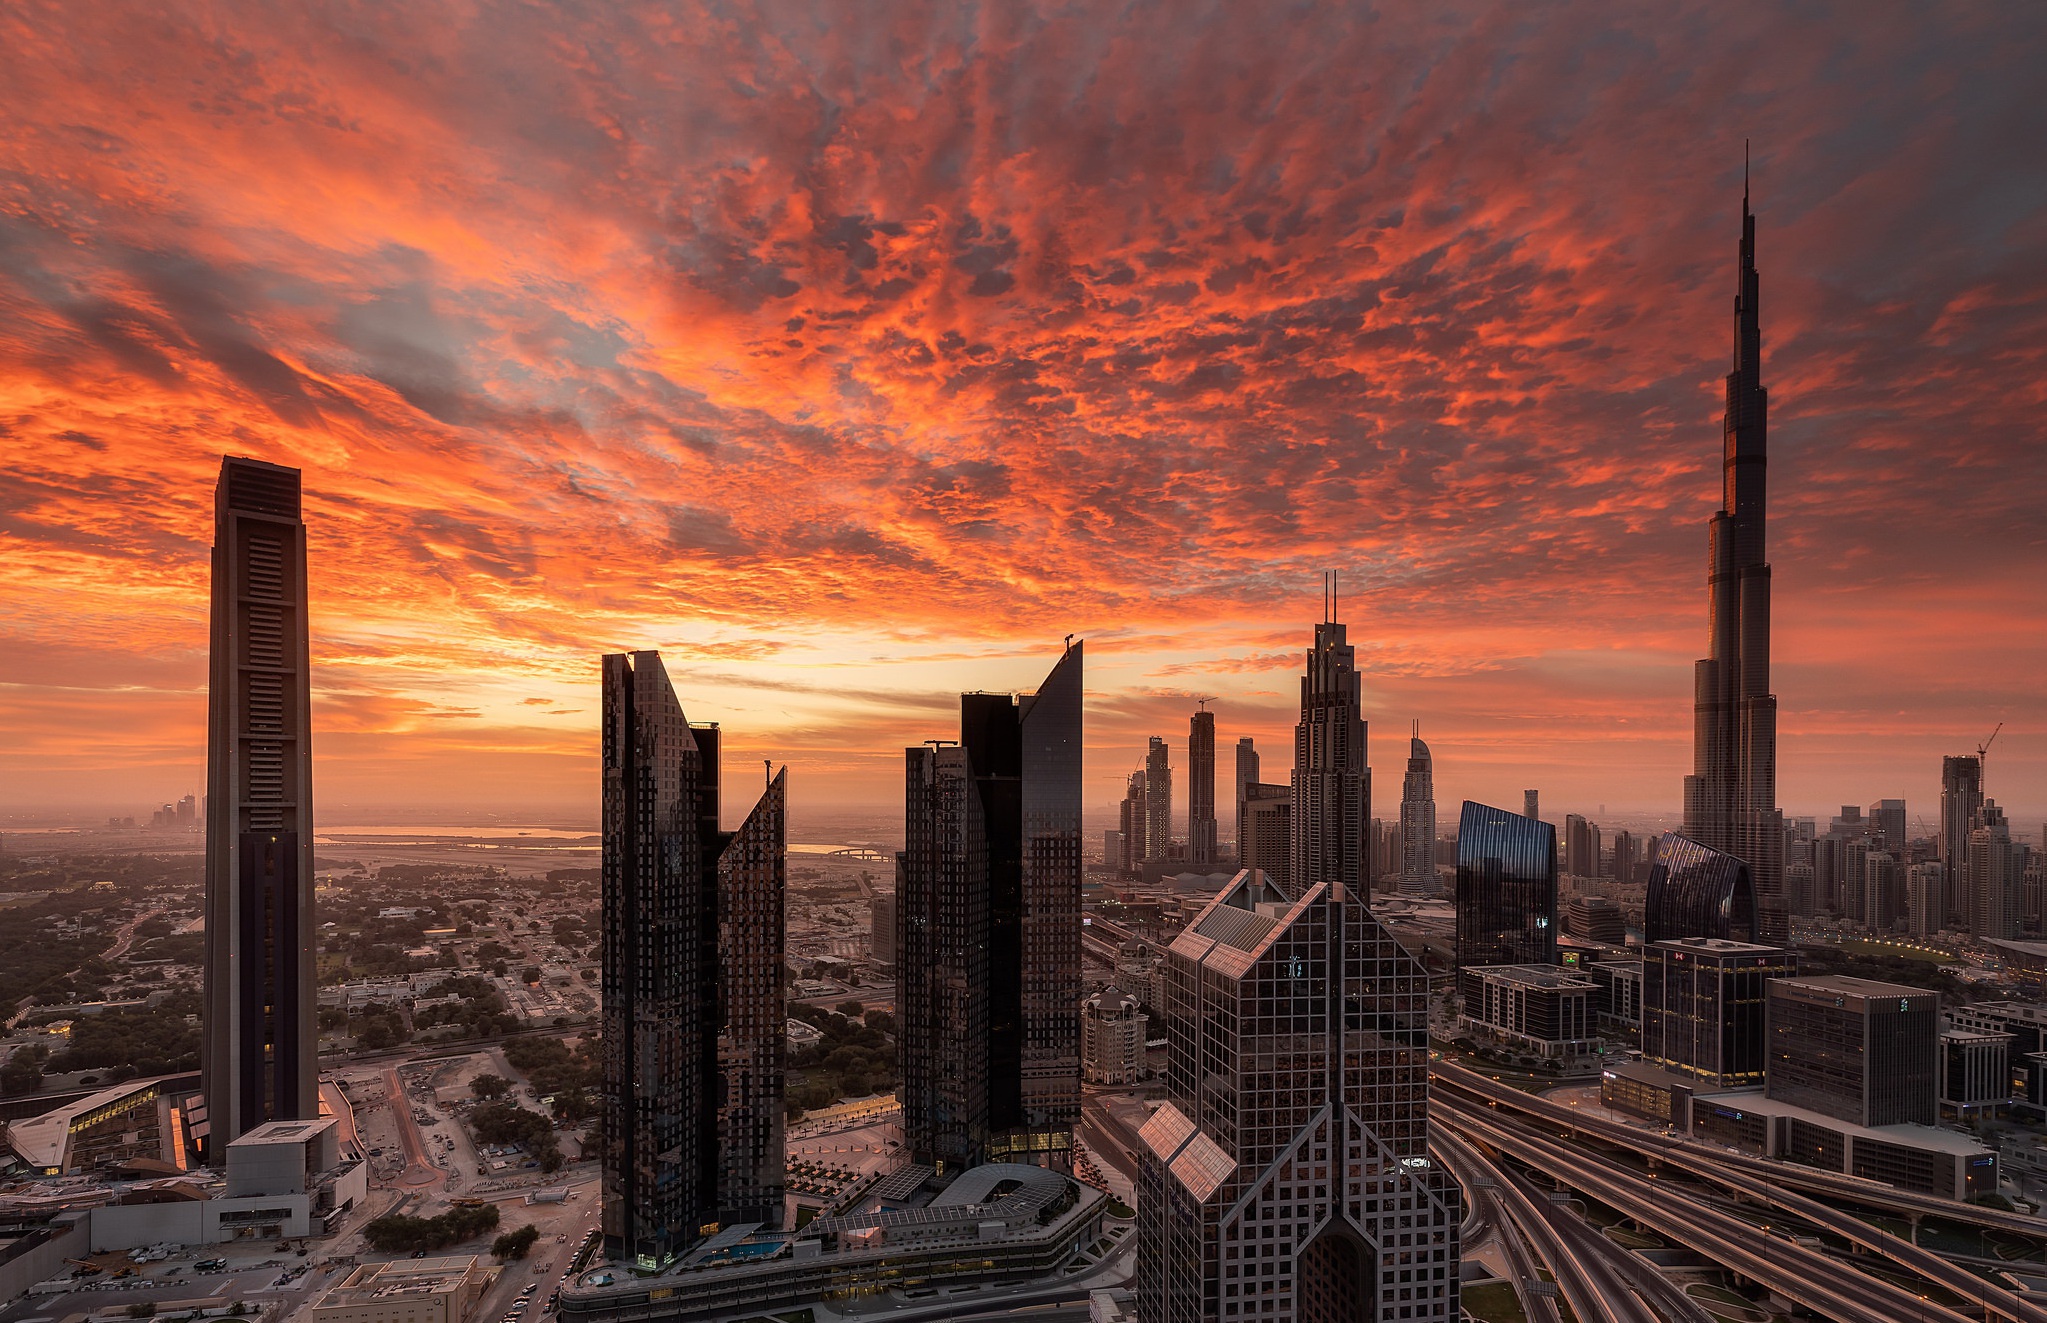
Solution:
(284, 1179)
(1112, 1034)
(408, 1291)
(1975, 1071)
(1535, 1008)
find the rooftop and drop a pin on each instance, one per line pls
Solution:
(1929, 1137)
(1535, 976)
(1849, 985)
(284, 1132)
(1716, 946)
(43, 1141)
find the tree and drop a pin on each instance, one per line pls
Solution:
(852, 1010)
(490, 1086)
(573, 1104)
(514, 1244)
(23, 1072)
(530, 974)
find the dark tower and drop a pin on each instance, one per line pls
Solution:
(261, 1061)
(1731, 795)
(1201, 789)
(1332, 784)
(988, 931)
(692, 956)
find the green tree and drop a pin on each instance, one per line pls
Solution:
(852, 1010)
(490, 1086)
(514, 1244)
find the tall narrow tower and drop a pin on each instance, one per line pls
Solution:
(262, 1052)
(1332, 784)
(1158, 799)
(1247, 775)
(1418, 820)
(1731, 795)
(1201, 789)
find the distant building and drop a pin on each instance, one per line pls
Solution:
(1201, 848)
(1136, 817)
(1961, 798)
(1925, 894)
(1855, 1049)
(1247, 776)
(1887, 822)
(1267, 842)
(1332, 783)
(1506, 896)
(1581, 847)
(1112, 1031)
(1418, 821)
(1996, 871)
(881, 928)
(1538, 1009)
(1158, 799)
(1112, 849)
(1596, 919)
(1704, 1007)
(1529, 805)
(1883, 893)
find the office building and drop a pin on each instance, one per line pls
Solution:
(1418, 821)
(1267, 841)
(1273, 1107)
(1887, 824)
(1704, 1007)
(1975, 1071)
(1112, 1030)
(1730, 799)
(1798, 890)
(1581, 847)
(988, 985)
(1925, 895)
(1135, 818)
(1619, 1004)
(1883, 893)
(1158, 799)
(1529, 805)
(1537, 1009)
(1961, 799)
(1996, 873)
(881, 928)
(693, 1020)
(1201, 790)
(1112, 850)
(1622, 869)
(1855, 1049)
(1506, 894)
(1332, 784)
(1697, 892)
(260, 1051)
(1596, 919)
(1247, 776)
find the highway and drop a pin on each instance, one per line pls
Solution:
(1997, 1302)
(1482, 1190)
(1810, 1278)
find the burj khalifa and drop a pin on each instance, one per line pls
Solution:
(1731, 795)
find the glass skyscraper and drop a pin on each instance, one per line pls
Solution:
(1201, 789)
(693, 1017)
(988, 920)
(1506, 888)
(1695, 891)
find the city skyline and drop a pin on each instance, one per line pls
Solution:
(1137, 384)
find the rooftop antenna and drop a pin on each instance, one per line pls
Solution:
(1417, 728)
(1744, 176)
(1332, 597)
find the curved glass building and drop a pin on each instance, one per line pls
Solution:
(1506, 888)
(1697, 891)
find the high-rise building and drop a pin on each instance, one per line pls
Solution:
(1731, 795)
(1996, 872)
(1961, 798)
(1135, 819)
(694, 1025)
(1247, 775)
(1267, 842)
(1925, 894)
(1704, 1007)
(1855, 1049)
(188, 811)
(1697, 892)
(1596, 919)
(881, 928)
(1201, 789)
(1581, 846)
(1883, 892)
(1506, 894)
(1623, 866)
(1418, 821)
(1332, 784)
(1887, 821)
(1158, 800)
(1275, 1106)
(1529, 805)
(261, 1050)
(988, 986)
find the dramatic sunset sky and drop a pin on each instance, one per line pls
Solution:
(853, 354)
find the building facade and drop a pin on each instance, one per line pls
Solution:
(1288, 1174)
(1418, 821)
(1267, 842)
(261, 1050)
(988, 986)
(1996, 870)
(1201, 789)
(1247, 776)
(1332, 784)
(1705, 1008)
(1506, 896)
(1961, 799)
(1855, 1049)
(694, 1024)
(1730, 799)
(1112, 1030)
(1696, 891)
(1539, 1009)
(1158, 799)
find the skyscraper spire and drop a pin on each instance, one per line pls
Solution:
(1731, 796)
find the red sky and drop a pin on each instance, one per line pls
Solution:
(853, 355)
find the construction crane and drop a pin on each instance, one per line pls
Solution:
(1203, 700)
(1983, 749)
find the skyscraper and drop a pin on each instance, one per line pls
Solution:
(1247, 775)
(1697, 892)
(1134, 820)
(1158, 799)
(1887, 820)
(1267, 842)
(1418, 821)
(1201, 789)
(1995, 870)
(1332, 784)
(692, 980)
(1288, 1169)
(1530, 804)
(1703, 1007)
(1731, 795)
(1855, 1049)
(988, 985)
(1581, 846)
(1506, 896)
(261, 1058)
(1961, 798)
